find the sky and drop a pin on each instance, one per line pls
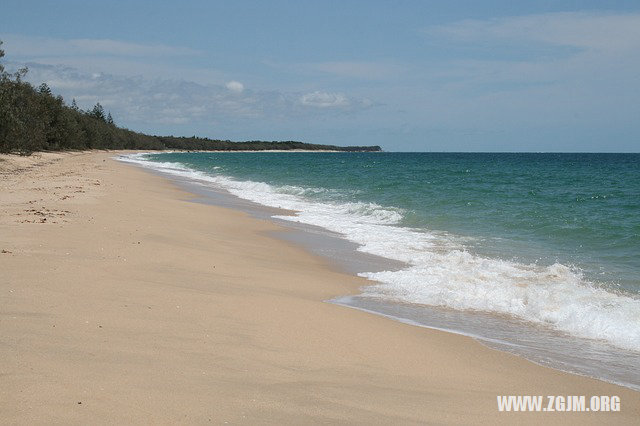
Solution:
(405, 75)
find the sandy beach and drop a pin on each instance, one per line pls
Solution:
(124, 302)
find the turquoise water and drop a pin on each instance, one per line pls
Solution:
(577, 209)
(549, 239)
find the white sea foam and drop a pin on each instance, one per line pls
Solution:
(441, 272)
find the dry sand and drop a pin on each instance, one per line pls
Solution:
(124, 302)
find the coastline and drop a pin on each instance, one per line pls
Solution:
(144, 306)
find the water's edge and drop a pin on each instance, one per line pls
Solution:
(541, 346)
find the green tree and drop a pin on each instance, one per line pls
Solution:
(98, 112)
(43, 89)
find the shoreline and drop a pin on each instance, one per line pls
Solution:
(211, 318)
(543, 346)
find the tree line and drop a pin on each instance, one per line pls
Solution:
(34, 119)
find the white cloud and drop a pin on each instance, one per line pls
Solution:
(103, 69)
(235, 86)
(324, 100)
(597, 31)
(135, 99)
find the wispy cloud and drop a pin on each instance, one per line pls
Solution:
(151, 83)
(551, 71)
(604, 51)
(136, 99)
(592, 31)
(324, 100)
(111, 56)
(41, 46)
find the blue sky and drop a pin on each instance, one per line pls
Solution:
(406, 75)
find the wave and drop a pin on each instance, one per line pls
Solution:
(440, 271)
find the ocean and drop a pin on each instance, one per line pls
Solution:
(537, 254)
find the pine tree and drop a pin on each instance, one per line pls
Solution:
(98, 112)
(110, 119)
(44, 89)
